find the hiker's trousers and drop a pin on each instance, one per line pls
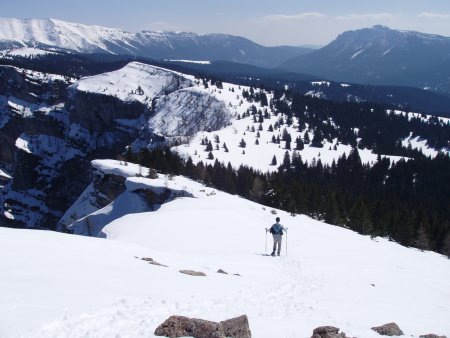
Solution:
(277, 241)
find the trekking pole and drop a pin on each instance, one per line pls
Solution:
(266, 243)
(286, 240)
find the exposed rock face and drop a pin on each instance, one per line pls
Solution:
(431, 335)
(186, 112)
(390, 329)
(178, 326)
(31, 125)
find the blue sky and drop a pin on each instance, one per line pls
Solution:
(268, 22)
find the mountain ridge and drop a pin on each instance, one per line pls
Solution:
(380, 55)
(157, 45)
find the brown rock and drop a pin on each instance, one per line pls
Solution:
(152, 261)
(237, 327)
(325, 330)
(179, 326)
(390, 329)
(222, 271)
(193, 273)
(328, 332)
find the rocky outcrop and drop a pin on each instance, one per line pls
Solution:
(152, 261)
(431, 335)
(237, 327)
(390, 329)
(178, 326)
(328, 332)
(193, 273)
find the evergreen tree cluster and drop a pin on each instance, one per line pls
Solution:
(366, 125)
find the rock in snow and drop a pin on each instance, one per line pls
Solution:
(193, 273)
(178, 326)
(328, 332)
(390, 329)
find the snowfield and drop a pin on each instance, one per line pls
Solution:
(60, 285)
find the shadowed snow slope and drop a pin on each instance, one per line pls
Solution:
(56, 285)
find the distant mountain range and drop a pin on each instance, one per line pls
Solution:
(375, 56)
(51, 33)
(380, 55)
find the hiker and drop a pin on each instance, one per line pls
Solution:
(277, 231)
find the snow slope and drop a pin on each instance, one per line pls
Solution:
(134, 82)
(58, 285)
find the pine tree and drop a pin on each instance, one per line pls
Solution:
(284, 134)
(257, 190)
(359, 217)
(317, 139)
(242, 144)
(306, 139)
(286, 160)
(274, 160)
(288, 144)
(299, 145)
(209, 146)
(210, 156)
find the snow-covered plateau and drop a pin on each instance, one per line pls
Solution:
(61, 285)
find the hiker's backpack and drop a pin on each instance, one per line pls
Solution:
(276, 229)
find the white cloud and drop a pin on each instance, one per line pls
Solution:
(367, 16)
(428, 15)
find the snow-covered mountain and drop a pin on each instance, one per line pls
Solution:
(51, 33)
(380, 55)
(59, 285)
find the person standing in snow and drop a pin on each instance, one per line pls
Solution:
(277, 232)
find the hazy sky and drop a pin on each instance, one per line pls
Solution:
(268, 22)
